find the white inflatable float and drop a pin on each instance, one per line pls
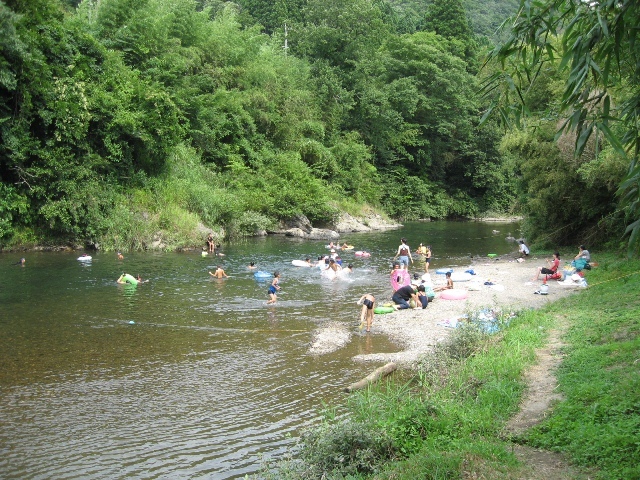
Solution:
(84, 258)
(300, 263)
(461, 277)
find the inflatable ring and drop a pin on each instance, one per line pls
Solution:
(84, 258)
(130, 279)
(443, 271)
(399, 279)
(300, 263)
(453, 294)
(383, 310)
(262, 275)
(461, 277)
(492, 255)
(361, 253)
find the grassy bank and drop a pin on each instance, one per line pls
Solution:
(447, 420)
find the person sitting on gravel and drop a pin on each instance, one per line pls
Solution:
(553, 264)
(448, 286)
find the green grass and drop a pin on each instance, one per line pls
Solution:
(445, 421)
(599, 423)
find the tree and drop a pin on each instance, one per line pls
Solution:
(598, 50)
(448, 18)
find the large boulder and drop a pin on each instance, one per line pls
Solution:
(347, 223)
(297, 221)
(370, 221)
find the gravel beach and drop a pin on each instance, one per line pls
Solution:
(416, 331)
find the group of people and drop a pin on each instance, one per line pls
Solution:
(403, 254)
(580, 262)
(405, 293)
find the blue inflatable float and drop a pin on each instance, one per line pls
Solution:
(262, 275)
(443, 271)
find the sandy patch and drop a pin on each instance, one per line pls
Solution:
(418, 330)
(329, 338)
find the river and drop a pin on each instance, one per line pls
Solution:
(187, 376)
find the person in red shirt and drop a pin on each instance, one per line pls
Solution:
(554, 264)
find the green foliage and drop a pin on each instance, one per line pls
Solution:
(550, 176)
(344, 449)
(290, 189)
(453, 409)
(12, 207)
(99, 100)
(249, 223)
(341, 32)
(11, 51)
(448, 18)
(600, 91)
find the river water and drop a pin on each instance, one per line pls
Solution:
(187, 376)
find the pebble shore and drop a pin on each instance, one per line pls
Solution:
(417, 331)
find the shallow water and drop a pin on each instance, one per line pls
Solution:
(186, 376)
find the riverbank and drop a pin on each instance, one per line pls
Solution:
(417, 331)
(298, 226)
(512, 290)
(539, 401)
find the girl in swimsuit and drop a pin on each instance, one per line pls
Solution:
(367, 301)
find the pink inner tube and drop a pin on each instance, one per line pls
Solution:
(454, 294)
(360, 253)
(403, 275)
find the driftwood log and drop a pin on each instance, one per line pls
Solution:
(374, 376)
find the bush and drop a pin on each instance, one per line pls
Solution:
(347, 448)
(249, 223)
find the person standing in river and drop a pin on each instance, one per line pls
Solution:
(427, 259)
(404, 253)
(274, 288)
(366, 314)
(219, 273)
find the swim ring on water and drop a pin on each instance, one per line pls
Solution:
(262, 275)
(299, 263)
(453, 294)
(383, 310)
(442, 271)
(130, 279)
(492, 255)
(84, 258)
(361, 253)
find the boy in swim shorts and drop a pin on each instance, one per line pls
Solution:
(367, 301)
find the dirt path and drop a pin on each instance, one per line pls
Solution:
(540, 396)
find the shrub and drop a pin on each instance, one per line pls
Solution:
(346, 448)
(248, 223)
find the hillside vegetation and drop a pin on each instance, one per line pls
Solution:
(134, 123)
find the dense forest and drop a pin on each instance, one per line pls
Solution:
(129, 122)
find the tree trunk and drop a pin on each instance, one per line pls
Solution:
(376, 375)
